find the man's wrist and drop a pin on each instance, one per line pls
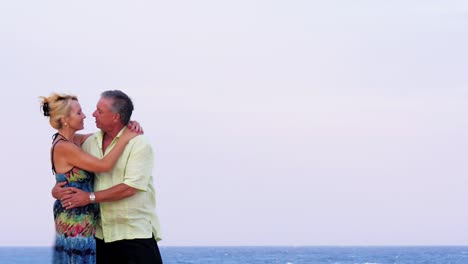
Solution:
(92, 197)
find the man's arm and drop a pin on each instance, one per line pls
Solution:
(77, 197)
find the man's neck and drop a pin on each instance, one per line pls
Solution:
(113, 132)
(108, 137)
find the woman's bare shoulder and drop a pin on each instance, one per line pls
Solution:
(79, 139)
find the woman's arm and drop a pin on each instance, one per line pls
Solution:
(79, 139)
(70, 155)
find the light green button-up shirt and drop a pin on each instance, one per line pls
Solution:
(134, 216)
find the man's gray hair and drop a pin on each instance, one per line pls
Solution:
(121, 104)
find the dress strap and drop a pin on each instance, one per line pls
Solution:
(54, 142)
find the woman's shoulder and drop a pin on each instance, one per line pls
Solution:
(63, 147)
(79, 139)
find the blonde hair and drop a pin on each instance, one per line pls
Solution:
(56, 106)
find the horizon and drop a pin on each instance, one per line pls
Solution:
(272, 246)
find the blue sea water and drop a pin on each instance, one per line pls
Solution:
(280, 255)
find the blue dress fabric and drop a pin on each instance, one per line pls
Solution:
(75, 228)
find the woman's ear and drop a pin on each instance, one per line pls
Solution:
(64, 121)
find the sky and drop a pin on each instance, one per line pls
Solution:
(273, 122)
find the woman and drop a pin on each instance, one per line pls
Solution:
(74, 242)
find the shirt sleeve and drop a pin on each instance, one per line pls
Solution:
(138, 171)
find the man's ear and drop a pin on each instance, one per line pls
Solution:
(116, 117)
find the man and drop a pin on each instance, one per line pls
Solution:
(127, 230)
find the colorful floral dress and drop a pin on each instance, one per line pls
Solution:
(75, 228)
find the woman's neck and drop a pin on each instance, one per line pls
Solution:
(67, 134)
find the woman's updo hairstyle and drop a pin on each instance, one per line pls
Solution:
(56, 106)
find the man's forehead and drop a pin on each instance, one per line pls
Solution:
(104, 103)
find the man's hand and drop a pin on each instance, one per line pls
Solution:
(77, 198)
(59, 191)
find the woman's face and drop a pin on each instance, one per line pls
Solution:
(75, 120)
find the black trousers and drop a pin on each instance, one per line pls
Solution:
(131, 251)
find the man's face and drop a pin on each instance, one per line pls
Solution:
(105, 118)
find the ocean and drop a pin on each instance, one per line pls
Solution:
(279, 255)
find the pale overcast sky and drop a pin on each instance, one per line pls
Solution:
(273, 122)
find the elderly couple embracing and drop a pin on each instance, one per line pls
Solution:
(105, 207)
